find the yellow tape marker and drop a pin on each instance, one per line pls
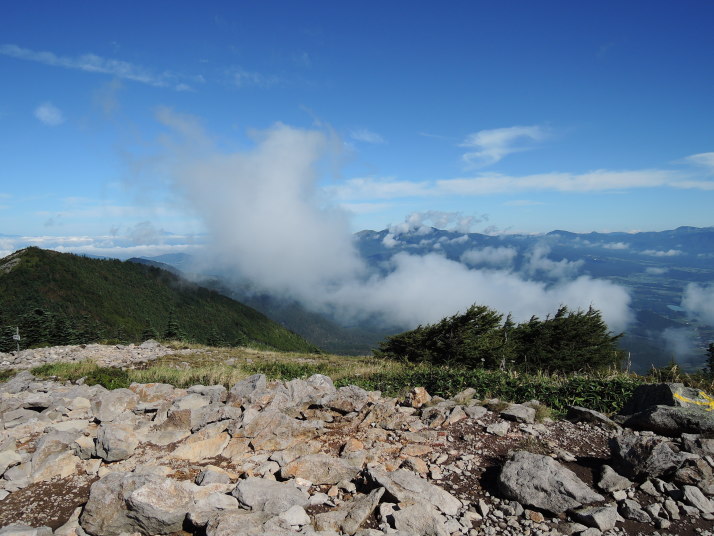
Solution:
(709, 403)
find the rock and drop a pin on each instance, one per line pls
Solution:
(109, 405)
(105, 513)
(238, 523)
(499, 428)
(216, 394)
(361, 509)
(212, 475)
(673, 421)
(475, 412)
(348, 399)
(602, 518)
(320, 469)
(664, 394)
(465, 397)
(295, 516)
(269, 496)
(579, 414)
(610, 481)
(541, 482)
(519, 413)
(8, 458)
(417, 397)
(404, 485)
(645, 457)
(116, 441)
(201, 449)
(159, 506)
(242, 391)
(420, 519)
(273, 430)
(630, 509)
(695, 497)
(17, 529)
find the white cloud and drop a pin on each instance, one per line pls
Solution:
(600, 180)
(654, 270)
(269, 224)
(660, 253)
(49, 114)
(389, 241)
(680, 342)
(538, 262)
(500, 257)
(698, 302)
(490, 146)
(97, 64)
(422, 222)
(366, 136)
(705, 160)
(616, 245)
(242, 78)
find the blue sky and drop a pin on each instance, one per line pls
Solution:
(524, 116)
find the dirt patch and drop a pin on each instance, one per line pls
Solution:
(46, 503)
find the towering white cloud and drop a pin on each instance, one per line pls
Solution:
(269, 223)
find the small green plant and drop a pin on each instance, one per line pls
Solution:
(5, 375)
(533, 445)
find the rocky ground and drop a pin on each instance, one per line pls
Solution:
(301, 457)
(106, 356)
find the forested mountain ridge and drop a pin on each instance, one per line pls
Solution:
(61, 298)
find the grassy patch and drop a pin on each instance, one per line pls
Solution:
(605, 392)
(108, 377)
(5, 375)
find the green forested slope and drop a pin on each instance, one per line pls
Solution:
(68, 298)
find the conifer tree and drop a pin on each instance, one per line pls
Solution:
(173, 329)
(149, 331)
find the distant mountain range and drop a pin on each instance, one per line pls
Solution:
(46, 290)
(655, 267)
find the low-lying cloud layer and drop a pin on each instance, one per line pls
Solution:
(270, 223)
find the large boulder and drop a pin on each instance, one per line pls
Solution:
(406, 486)
(665, 394)
(541, 482)
(643, 457)
(273, 430)
(262, 495)
(106, 512)
(673, 421)
(109, 405)
(160, 506)
(320, 469)
(116, 441)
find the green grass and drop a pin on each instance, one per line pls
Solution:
(605, 392)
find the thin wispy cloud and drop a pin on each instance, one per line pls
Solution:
(595, 181)
(705, 160)
(242, 78)
(490, 146)
(522, 203)
(49, 114)
(366, 136)
(603, 180)
(93, 63)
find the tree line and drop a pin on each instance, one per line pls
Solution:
(568, 341)
(38, 327)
